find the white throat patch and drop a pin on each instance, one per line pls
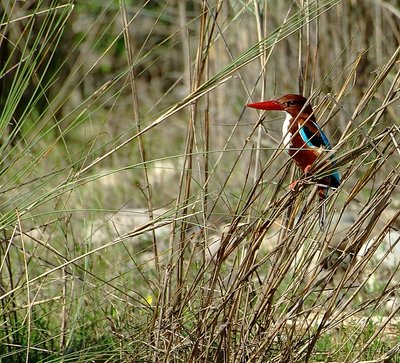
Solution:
(285, 131)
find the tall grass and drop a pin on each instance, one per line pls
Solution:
(145, 212)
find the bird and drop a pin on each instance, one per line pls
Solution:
(305, 142)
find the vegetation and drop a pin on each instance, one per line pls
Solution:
(145, 212)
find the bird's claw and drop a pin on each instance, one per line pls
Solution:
(307, 170)
(294, 184)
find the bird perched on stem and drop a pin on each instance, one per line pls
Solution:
(305, 142)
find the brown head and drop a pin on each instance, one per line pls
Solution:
(291, 103)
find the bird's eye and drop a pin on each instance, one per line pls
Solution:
(289, 103)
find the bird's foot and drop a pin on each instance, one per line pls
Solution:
(307, 169)
(293, 185)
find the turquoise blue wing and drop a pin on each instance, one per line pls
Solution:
(313, 136)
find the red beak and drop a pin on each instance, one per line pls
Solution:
(267, 105)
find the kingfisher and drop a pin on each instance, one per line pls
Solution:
(305, 142)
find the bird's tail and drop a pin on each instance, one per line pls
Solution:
(322, 193)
